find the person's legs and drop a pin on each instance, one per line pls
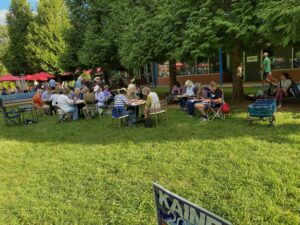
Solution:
(146, 112)
(132, 116)
(85, 112)
(279, 97)
(201, 108)
(190, 107)
(73, 110)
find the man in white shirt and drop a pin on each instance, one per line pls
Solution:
(67, 105)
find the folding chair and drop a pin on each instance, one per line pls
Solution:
(159, 109)
(89, 111)
(11, 117)
(217, 112)
(62, 115)
(116, 116)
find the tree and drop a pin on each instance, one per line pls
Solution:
(280, 21)
(155, 34)
(231, 25)
(4, 40)
(18, 18)
(78, 14)
(46, 38)
(100, 47)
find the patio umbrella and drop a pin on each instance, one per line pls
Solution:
(39, 77)
(29, 78)
(44, 74)
(9, 77)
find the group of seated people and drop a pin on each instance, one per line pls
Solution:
(95, 99)
(282, 87)
(196, 97)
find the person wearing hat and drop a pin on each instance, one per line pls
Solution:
(120, 103)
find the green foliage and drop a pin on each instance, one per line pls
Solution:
(78, 14)
(18, 19)
(280, 21)
(46, 38)
(4, 41)
(100, 47)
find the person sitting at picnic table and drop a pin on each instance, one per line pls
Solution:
(214, 100)
(38, 103)
(120, 103)
(176, 90)
(132, 96)
(283, 87)
(67, 105)
(108, 95)
(76, 94)
(201, 94)
(4, 91)
(90, 103)
(189, 91)
(46, 98)
(100, 98)
(152, 104)
(46, 95)
(53, 101)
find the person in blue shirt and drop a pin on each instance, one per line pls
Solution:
(52, 84)
(120, 104)
(78, 83)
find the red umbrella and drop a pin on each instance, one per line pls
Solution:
(44, 74)
(9, 77)
(29, 78)
(39, 77)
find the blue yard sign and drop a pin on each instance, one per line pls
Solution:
(174, 210)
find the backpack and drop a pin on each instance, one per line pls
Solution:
(226, 108)
(148, 123)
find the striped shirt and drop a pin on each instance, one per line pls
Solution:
(121, 101)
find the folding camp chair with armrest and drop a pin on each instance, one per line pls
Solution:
(216, 110)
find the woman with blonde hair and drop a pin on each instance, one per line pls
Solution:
(152, 103)
(189, 91)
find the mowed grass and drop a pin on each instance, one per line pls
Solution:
(95, 173)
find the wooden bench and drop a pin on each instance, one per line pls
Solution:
(12, 116)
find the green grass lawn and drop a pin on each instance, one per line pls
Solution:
(94, 173)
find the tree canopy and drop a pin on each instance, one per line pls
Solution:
(19, 18)
(127, 34)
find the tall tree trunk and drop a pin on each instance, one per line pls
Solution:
(172, 71)
(237, 81)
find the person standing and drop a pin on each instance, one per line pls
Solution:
(266, 66)
(52, 84)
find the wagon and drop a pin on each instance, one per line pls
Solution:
(263, 109)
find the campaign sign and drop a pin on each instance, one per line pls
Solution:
(174, 210)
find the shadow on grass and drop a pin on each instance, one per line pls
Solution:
(101, 131)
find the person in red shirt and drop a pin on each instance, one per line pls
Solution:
(38, 103)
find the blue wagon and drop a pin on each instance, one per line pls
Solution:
(263, 109)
